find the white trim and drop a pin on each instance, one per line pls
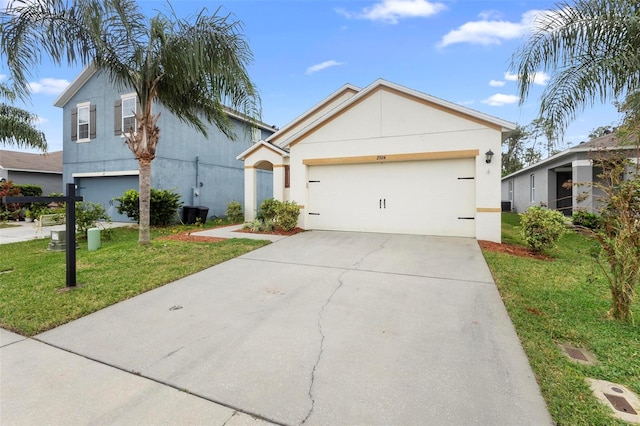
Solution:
(75, 85)
(581, 163)
(129, 95)
(106, 174)
(88, 106)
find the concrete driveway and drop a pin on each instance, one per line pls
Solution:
(322, 328)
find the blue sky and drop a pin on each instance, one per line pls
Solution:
(457, 50)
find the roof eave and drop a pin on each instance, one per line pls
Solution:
(75, 85)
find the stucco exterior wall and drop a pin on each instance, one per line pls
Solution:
(184, 157)
(386, 123)
(49, 182)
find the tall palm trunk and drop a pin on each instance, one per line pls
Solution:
(145, 200)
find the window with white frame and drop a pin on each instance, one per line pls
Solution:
(532, 188)
(83, 122)
(510, 189)
(128, 114)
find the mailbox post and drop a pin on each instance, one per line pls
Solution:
(70, 200)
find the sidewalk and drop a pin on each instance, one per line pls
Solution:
(26, 231)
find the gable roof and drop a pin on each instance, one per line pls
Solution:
(90, 70)
(317, 110)
(504, 126)
(27, 162)
(607, 142)
(261, 144)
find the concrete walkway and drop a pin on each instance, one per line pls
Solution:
(25, 231)
(322, 328)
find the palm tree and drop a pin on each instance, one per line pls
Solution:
(194, 67)
(590, 47)
(17, 126)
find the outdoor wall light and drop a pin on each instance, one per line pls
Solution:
(489, 156)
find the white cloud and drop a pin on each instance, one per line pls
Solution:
(320, 67)
(489, 31)
(48, 86)
(3, 77)
(41, 120)
(500, 99)
(496, 83)
(391, 11)
(540, 78)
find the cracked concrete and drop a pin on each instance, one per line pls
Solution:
(391, 328)
(321, 349)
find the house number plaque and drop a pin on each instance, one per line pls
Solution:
(381, 157)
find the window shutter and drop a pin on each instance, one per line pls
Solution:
(287, 176)
(92, 122)
(117, 117)
(74, 124)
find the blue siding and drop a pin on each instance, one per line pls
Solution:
(222, 176)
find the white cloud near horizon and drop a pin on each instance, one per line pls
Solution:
(489, 31)
(496, 83)
(391, 11)
(540, 78)
(324, 65)
(49, 86)
(500, 99)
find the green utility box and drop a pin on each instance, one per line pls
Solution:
(93, 238)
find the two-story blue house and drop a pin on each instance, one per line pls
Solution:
(203, 170)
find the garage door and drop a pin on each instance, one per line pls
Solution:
(435, 197)
(102, 190)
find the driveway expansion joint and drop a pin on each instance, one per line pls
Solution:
(321, 350)
(236, 410)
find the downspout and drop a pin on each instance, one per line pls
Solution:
(195, 191)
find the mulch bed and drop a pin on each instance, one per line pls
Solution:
(188, 237)
(277, 231)
(512, 250)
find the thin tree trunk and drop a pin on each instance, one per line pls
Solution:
(145, 200)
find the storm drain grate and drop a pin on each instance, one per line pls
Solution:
(624, 404)
(620, 403)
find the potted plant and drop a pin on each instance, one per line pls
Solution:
(28, 216)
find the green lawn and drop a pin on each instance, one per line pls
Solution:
(31, 277)
(566, 301)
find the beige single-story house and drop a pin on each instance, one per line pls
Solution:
(386, 158)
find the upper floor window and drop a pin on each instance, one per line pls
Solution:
(128, 114)
(83, 122)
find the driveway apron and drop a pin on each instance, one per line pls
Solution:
(329, 328)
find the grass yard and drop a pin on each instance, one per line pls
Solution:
(565, 301)
(30, 285)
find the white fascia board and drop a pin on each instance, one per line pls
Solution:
(567, 152)
(53, 172)
(75, 85)
(106, 174)
(258, 145)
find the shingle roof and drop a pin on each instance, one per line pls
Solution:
(13, 160)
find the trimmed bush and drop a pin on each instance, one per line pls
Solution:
(541, 228)
(234, 212)
(268, 209)
(164, 206)
(30, 190)
(586, 219)
(287, 215)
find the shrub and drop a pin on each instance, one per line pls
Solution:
(586, 219)
(30, 190)
(287, 215)
(164, 206)
(541, 228)
(269, 209)
(234, 212)
(88, 214)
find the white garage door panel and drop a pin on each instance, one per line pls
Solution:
(418, 197)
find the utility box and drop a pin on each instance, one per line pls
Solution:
(93, 239)
(58, 241)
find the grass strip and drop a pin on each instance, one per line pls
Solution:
(31, 301)
(566, 300)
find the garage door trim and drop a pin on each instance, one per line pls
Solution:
(416, 156)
